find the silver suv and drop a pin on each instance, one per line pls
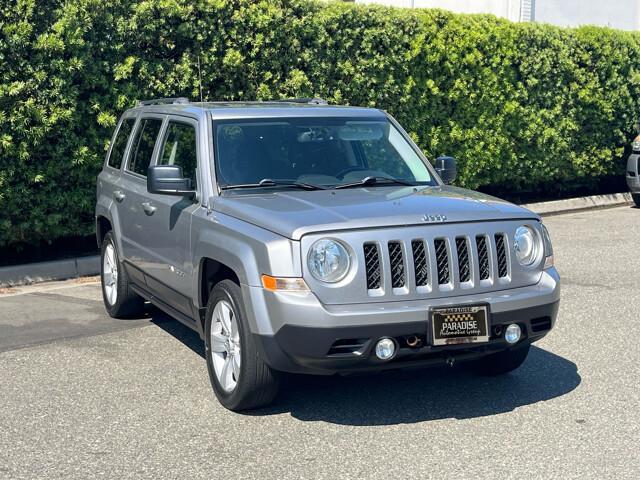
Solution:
(295, 236)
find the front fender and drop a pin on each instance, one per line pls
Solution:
(248, 250)
(105, 207)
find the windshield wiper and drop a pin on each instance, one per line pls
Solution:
(269, 182)
(373, 180)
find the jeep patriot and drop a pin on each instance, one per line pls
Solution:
(296, 236)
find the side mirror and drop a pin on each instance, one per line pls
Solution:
(446, 168)
(168, 180)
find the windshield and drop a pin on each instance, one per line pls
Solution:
(326, 152)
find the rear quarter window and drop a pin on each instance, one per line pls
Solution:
(120, 143)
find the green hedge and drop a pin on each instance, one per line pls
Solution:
(522, 105)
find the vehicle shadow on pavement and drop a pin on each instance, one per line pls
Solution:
(408, 396)
(411, 396)
(184, 334)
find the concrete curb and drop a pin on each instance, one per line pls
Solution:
(557, 207)
(47, 271)
(85, 266)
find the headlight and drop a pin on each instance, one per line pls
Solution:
(328, 260)
(526, 244)
(548, 248)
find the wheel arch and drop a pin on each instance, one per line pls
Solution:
(103, 226)
(211, 272)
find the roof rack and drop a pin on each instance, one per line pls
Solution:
(164, 101)
(311, 101)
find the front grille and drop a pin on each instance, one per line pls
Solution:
(483, 257)
(425, 265)
(464, 269)
(502, 255)
(420, 263)
(397, 264)
(442, 259)
(372, 265)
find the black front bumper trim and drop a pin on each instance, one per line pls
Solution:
(299, 349)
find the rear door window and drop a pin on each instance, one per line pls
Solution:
(143, 144)
(179, 148)
(120, 143)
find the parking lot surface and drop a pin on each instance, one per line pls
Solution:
(85, 396)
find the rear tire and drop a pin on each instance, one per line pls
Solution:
(240, 378)
(119, 298)
(636, 199)
(501, 362)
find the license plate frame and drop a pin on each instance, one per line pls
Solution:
(451, 334)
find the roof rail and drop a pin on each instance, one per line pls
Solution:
(311, 101)
(164, 101)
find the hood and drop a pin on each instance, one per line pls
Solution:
(294, 213)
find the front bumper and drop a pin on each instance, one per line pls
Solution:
(309, 350)
(296, 333)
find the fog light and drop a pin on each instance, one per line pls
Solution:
(385, 349)
(512, 333)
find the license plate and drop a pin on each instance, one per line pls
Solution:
(453, 325)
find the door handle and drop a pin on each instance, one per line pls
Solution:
(148, 208)
(119, 196)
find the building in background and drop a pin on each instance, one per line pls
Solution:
(622, 14)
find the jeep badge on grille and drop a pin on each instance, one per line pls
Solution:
(433, 218)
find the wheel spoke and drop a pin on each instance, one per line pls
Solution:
(235, 361)
(234, 329)
(225, 317)
(218, 343)
(112, 294)
(226, 375)
(110, 257)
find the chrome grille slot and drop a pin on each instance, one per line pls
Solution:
(442, 259)
(483, 257)
(464, 264)
(396, 260)
(372, 266)
(420, 263)
(501, 251)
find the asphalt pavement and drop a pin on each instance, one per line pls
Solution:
(85, 396)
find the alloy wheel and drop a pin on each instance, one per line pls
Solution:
(110, 274)
(225, 345)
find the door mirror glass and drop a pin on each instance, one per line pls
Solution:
(446, 168)
(168, 180)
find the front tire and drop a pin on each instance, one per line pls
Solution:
(119, 299)
(636, 199)
(502, 362)
(240, 378)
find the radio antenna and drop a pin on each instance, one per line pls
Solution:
(200, 78)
